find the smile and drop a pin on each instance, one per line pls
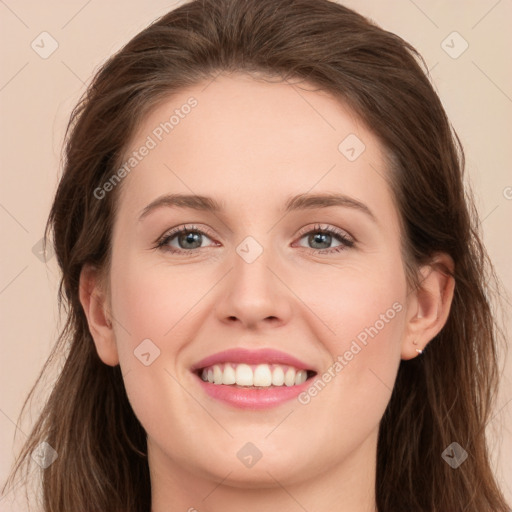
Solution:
(252, 379)
(256, 376)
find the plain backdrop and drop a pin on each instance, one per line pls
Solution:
(466, 45)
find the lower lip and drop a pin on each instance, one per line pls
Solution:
(252, 398)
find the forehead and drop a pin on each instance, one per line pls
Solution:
(246, 141)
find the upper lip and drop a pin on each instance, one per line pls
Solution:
(248, 356)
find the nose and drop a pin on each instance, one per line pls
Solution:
(254, 294)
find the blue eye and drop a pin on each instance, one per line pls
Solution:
(190, 238)
(319, 235)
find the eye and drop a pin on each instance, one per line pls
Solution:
(187, 237)
(322, 236)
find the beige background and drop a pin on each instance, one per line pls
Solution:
(36, 97)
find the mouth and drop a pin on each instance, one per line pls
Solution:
(254, 376)
(252, 379)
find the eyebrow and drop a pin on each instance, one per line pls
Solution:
(298, 202)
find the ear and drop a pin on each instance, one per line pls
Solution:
(428, 306)
(96, 306)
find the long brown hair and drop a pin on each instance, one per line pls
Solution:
(445, 395)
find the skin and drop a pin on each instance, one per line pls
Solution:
(251, 144)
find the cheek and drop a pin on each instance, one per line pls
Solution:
(352, 393)
(149, 301)
(364, 311)
(369, 315)
(357, 304)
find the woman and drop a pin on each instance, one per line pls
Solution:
(256, 369)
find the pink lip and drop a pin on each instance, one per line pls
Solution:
(252, 398)
(242, 355)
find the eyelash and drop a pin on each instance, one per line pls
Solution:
(346, 242)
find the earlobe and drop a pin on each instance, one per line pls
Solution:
(429, 305)
(95, 305)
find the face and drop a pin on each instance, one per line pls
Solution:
(321, 282)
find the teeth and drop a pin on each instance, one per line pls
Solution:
(217, 375)
(301, 376)
(229, 376)
(289, 377)
(244, 375)
(261, 375)
(278, 376)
